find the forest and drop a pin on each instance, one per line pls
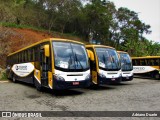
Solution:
(88, 19)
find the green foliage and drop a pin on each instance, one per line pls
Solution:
(120, 28)
(13, 25)
(98, 20)
(142, 48)
(3, 75)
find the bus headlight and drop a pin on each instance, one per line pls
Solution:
(59, 78)
(88, 77)
(102, 75)
(120, 74)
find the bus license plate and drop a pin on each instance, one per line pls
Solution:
(113, 79)
(127, 77)
(75, 83)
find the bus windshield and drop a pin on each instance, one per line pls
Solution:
(126, 62)
(108, 59)
(70, 56)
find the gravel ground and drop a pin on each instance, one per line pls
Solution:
(137, 95)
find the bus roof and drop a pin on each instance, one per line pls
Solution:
(122, 52)
(100, 46)
(146, 57)
(46, 40)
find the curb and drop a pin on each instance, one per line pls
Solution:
(4, 81)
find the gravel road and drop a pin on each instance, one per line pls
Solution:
(137, 95)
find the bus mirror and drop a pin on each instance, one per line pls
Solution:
(46, 50)
(90, 55)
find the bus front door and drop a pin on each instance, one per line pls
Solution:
(44, 68)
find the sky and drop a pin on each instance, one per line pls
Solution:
(148, 12)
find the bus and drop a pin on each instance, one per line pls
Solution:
(52, 63)
(126, 66)
(149, 65)
(104, 64)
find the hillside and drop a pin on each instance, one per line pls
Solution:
(12, 39)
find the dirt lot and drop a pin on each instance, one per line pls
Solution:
(137, 95)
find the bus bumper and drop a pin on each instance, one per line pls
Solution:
(108, 80)
(102, 81)
(128, 78)
(115, 80)
(60, 85)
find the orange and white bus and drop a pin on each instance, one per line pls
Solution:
(149, 65)
(53, 63)
(104, 64)
(126, 66)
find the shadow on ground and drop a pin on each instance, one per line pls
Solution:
(121, 84)
(144, 77)
(66, 92)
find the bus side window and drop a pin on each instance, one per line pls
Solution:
(14, 59)
(156, 61)
(21, 57)
(36, 53)
(11, 60)
(29, 55)
(137, 62)
(146, 62)
(141, 62)
(133, 62)
(17, 57)
(31, 52)
(152, 62)
(24, 55)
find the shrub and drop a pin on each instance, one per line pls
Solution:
(3, 75)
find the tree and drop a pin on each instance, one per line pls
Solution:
(127, 26)
(98, 19)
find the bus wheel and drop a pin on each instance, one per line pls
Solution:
(14, 79)
(157, 76)
(37, 85)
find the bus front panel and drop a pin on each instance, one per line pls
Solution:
(71, 65)
(109, 70)
(126, 65)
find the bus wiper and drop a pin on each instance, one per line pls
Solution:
(111, 61)
(115, 62)
(77, 60)
(104, 59)
(69, 62)
(125, 64)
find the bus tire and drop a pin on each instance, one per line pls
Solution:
(156, 75)
(14, 79)
(37, 85)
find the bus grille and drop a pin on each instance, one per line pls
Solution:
(111, 73)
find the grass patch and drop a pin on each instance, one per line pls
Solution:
(54, 33)
(3, 75)
(13, 25)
